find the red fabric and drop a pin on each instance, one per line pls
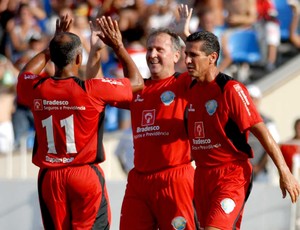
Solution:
(78, 188)
(67, 116)
(159, 198)
(160, 138)
(220, 194)
(210, 114)
(266, 10)
(288, 151)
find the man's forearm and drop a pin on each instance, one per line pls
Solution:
(129, 68)
(93, 66)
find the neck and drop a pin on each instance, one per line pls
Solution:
(209, 76)
(66, 72)
(162, 76)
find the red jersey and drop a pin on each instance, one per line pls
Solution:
(289, 150)
(68, 116)
(218, 116)
(266, 10)
(159, 134)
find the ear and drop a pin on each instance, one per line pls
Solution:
(78, 59)
(176, 57)
(213, 58)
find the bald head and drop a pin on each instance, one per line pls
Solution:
(64, 48)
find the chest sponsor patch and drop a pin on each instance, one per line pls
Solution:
(37, 104)
(211, 106)
(148, 117)
(179, 223)
(167, 97)
(199, 130)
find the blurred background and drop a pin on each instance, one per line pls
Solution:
(260, 41)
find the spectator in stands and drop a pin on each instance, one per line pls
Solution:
(21, 29)
(9, 10)
(135, 46)
(268, 30)
(35, 44)
(128, 13)
(292, 146)
(161, 14)
(80, 27)
(216, 7)
(208, 22)
(294, 27)
(263, 167)
(240, 13)
(22, 119)
(8, 76)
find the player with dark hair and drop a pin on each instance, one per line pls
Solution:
(219, 115)
(68, 118)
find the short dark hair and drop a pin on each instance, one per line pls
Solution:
(210, 41)
(63, 48)
(296, 123)
(174, 37)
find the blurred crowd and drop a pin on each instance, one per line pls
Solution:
(28, 25)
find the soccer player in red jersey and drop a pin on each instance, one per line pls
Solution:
(219, 114)
(159, 192)
(68, 118)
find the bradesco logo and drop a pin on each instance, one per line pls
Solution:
(199, 130)
(37, 104)
(148, 117)
(55, 102)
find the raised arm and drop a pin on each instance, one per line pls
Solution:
(93, 66)
(39, 61)
(112, 37)
(288, 183)
(183, 24)
(294, 36)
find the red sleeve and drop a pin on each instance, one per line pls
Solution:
(241, 107)
(25, 85)
(110, 91)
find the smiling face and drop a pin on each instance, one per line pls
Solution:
(161, 56)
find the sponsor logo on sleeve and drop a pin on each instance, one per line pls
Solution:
(111, 81)
(243, 97)
(30, 76)
(227, 205)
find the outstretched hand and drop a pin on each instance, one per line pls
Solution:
(110, 32)
(289, 184)
(183, 24)
(95, 41)
(63, 24)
